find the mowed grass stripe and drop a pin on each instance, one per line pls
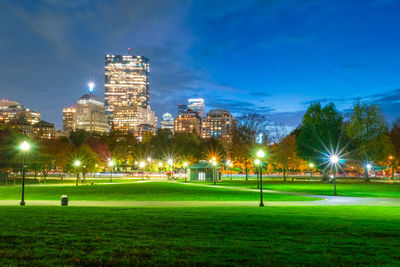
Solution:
(149, 191)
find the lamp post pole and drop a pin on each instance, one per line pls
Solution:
(24, 147)
(22, 203)
(214, 163)
(185, 165)
(311, 170)
(260, 156)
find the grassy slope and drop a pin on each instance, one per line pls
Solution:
(357, 189)
(200, 236)
(152, 191)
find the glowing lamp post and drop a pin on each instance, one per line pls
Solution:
(24, 147)
(214, 164)
(111, 165)
(142, 164)
(334, 159)
(258, 161)
(230, 166)
(311, 165)
(170, 162)
(185, 164)
(77, 163)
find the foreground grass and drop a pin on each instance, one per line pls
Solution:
(147, 191)
(344, 188)
(316, 236)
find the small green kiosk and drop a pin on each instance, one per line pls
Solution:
(203, 171)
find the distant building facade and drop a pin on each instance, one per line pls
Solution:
(197, 105)
(44, 130)
(188, 122)
(182, 108)
(90, 114)
(218, 124)
(133, 119)
(167, 122)
(10, 110)
(69, 119)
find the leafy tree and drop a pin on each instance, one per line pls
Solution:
(243, 145)
(368, 131)
(285, 155)
(395, 138)
(320, 130)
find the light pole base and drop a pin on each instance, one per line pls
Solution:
(261, 204)
(22, 203)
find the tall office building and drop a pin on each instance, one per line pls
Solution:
(182, 108)
(167, 122)
(218, 124)
(90, 114)
(10, 110)
(188, 122)
(197, 105)
(127, 93)
(69, 119)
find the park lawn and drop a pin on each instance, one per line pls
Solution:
(344, 188)
(316, 236)
(141, 191)
(54, 180)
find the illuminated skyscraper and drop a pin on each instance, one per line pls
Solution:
(90, 114)
(126, 82)
(219, 125)
(69, 119)
(197, 105)
(187, 122)
(127, 93)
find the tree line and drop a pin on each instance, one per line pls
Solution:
(360, 138)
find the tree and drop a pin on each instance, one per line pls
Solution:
(320, 130)
(368, 132)
(395, 138)
(249, 126)
(284, 155)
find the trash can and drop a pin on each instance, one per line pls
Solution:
(64, 200)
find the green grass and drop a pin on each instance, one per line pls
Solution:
(54, 180)
(317, 236)
(344, 188)
(148, 191)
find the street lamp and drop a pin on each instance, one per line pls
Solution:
(24, 147)
(258, 161)
(142, 164)
(77, 163)
(391, 158)
(334, 159)
(170, 162)
(185, 164)
(230, 166)
(111, 165)
(311, 165)
(214, 164)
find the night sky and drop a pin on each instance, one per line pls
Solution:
(271, 57)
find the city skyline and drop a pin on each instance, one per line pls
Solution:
(232, 56)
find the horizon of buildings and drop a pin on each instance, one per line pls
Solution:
(126, 108)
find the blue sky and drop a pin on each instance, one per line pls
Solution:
(271, 57)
